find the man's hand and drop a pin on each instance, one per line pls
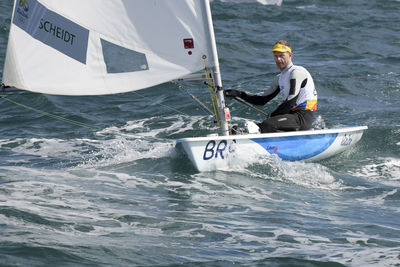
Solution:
(232, 93)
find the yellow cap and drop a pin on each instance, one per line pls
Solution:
(281, 48)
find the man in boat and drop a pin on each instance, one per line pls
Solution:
(296, 86)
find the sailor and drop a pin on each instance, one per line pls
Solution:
(296, 87)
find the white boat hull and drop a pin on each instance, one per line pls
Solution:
(219, 152)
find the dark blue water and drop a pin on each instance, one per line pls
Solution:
(108, 194)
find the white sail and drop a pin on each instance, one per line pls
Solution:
(75, 47)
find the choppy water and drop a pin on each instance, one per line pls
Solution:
(74, 196)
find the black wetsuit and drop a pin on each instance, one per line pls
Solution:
(296, 86)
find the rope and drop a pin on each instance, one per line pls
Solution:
(190, 97)
(77, 123)
(250, 106)
(81, 124)
(212, 93)
(154, 102)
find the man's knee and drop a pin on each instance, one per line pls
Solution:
(268, 126)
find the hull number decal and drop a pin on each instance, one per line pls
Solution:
(347, 139)
(215, 150)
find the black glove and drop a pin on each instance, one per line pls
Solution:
(232, 93)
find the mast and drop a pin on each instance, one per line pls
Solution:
(223, 110)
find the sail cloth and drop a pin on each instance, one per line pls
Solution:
(75, 47)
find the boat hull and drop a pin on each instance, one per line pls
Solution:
(220, 152)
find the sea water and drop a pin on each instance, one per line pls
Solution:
(114, 192)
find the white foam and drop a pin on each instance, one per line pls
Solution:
(54, 196)
(174, 124)
(139, 139)
(305, 174)
(383, 169)
(44, 147)
(380, 199)
(122, 150)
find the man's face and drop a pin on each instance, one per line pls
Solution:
(282, 59)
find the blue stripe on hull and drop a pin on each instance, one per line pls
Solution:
(297, 147)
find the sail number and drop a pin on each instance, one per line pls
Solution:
(212, 149)
(219, 149)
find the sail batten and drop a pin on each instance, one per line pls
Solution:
(72, 47)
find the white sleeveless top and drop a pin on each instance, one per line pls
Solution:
(307, 95)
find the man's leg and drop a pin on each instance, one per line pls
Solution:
(280, 123)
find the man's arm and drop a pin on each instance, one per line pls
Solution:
(272, 92)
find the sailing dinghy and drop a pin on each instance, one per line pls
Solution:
(75, 47)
